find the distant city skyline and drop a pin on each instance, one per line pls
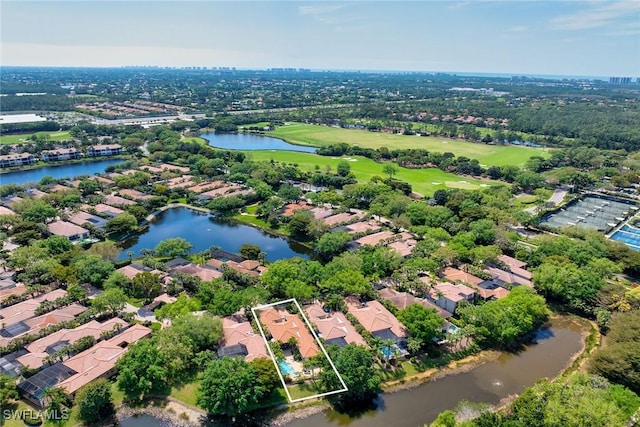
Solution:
(573, 38)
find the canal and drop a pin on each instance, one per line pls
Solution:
(510, 374)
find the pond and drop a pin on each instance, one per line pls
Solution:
(204, 231)
(489, 383)
(57, 171)
(249, 141)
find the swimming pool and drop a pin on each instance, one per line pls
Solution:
(628, 235)
(286, 368)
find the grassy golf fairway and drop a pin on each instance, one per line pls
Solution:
(489, 155)
(424, 181)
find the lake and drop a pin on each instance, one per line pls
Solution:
(57, 171)
(205, 231)
(144, 421)
(250, 141)
(489, 383)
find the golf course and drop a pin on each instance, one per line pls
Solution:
(487, 155)
(423, 181)
(22, 138)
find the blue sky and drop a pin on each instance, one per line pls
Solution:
(591, 38)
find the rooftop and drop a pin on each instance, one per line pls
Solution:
(333, 326)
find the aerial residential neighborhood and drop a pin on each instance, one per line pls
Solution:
(300, 214)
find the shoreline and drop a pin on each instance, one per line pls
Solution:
(37, 166)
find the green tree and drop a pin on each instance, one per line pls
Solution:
(93, 269)
(299, 223)
(423, 323)
(390, 169)
(506, 320)
(56, 399)
(122, 224)
(142, 370)
(267, 373)
(111, 301)
(146, 285)
(95, 402)
(331, 244)
(173, 247)
(343, 168)
(250, 251)
(205, 331)
(355, 364)
(8, 390)
(229, 387)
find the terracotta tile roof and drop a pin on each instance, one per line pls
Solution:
(112, 199)
(283, 326)
(25, 309)
(512, 262)
(455, 293)
(320, 212)
(205, 274)
(237, 331)
(100, 359)
(402, 300)
(374, 317)
(66, 229)
(333, 325)
(103, 208)
(291, 208)
(454, 275)
(38, 349)
(508, 277)
(338, 218)
(374, 239)
(6, 211)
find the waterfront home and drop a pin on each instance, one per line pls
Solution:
(285, 327)
(333, 326)
(12, 160)
(60, 154)
(40, 349)
(205, 273)
(448, 295)
(402, 300)
(66, 229)
(375, 318)
(104, 150)
(240, 340)
(35, 193)
(291, 208)
(250, 267)
(135, 195)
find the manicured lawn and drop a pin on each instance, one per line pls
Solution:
(196, 139)
(21, 138)
(424, 181)
(299, 391)
(304, 134)
(186, 393)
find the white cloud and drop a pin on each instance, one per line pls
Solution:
(600, 14)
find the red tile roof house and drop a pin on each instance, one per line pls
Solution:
(284, 326)
(448, 295)
(333, 326)
(66, 229)
(40, 349)
(78, 371)
(486, 289)
(508, 277)
(402, 300)
(32, 325)
(376, 319)
(26, 309)
(239, 339)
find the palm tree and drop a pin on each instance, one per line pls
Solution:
(130, 254)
